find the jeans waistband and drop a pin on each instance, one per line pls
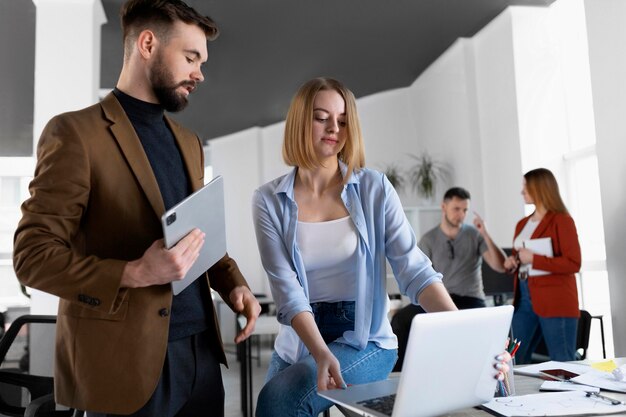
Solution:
(325, 307)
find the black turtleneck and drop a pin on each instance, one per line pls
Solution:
(189, 310)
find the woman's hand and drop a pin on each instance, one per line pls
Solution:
(525, 255)
(511, 264)
(502, 364)
(328, 372)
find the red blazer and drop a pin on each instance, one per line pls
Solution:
(554, 295)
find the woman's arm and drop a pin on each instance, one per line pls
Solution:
(435, 297)
(328, 367)
(285, 285)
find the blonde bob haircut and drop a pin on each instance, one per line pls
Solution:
(544, 190)
(298, 141)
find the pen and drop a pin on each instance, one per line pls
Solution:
(613, 401)
(511, 346)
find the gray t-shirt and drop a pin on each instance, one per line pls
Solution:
(461, 272)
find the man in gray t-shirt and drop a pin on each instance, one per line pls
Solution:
(456, 250)
(459, 259)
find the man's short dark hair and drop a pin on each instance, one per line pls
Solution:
(458, 192)
(159, 16)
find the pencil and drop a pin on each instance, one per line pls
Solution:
(507, 384)
(515, 348)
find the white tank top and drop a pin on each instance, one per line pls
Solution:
(328, 250)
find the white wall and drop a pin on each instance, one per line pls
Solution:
(441, 115)
(607, 37)
(388, 133)
(496, 98)
(237, 158)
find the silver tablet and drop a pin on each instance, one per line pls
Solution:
(203, 209)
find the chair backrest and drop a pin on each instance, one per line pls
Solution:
(40, 387)
(582, 333)
(582, 340)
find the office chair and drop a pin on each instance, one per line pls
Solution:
(40, 388)
(582, 340)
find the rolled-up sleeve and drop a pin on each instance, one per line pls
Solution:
(287, 290)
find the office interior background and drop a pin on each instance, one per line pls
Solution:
(489, 88)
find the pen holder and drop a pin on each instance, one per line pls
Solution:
(506, 387)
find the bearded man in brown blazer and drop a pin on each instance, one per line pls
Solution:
(90, 234)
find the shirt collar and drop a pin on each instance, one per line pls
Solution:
(287, 182)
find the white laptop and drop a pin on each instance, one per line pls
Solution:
(203, 209)
(448, 365)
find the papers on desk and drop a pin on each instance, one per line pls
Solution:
(568, 403)
(534, 370)
(604, 380)
(566, 386)
(541, 246)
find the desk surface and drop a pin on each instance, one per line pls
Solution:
(526, 385)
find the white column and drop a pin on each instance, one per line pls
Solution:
(67, 57)
(607, 61)
(67, 77)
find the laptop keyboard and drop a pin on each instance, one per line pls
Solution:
(381, 404)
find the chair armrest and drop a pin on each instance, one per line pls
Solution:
(34, 406)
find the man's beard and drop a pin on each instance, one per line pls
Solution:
(165, 89)
(451, 223)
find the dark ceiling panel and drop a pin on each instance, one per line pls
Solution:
(268, 48)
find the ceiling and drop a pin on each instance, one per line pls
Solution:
(268, 48)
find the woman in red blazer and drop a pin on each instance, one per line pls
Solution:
(546, 302)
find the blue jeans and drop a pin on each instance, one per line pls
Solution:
(291, 389)
(559, 333)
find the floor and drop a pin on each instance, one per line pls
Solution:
(231, 379)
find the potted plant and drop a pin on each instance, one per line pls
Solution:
(425, 174)
(395, 177)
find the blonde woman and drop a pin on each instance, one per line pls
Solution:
(325, 232)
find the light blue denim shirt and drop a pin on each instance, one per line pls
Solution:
(384, 233)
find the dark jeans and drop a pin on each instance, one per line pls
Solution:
(559, 333)
(401, 321)
(190, 384)
(333, 319)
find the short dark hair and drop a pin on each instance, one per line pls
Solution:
(458, 192)
(159, 16)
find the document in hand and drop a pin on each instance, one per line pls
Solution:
(540, 246)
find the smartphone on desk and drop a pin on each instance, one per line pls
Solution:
(557, 374)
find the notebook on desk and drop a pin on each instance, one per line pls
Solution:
(204, 209)
(448, 365)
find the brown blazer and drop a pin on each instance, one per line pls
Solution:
(554, 295)
(94, 205)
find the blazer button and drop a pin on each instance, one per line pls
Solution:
(164, 312)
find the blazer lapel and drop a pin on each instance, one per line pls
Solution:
(126, 137)
(189, 146)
